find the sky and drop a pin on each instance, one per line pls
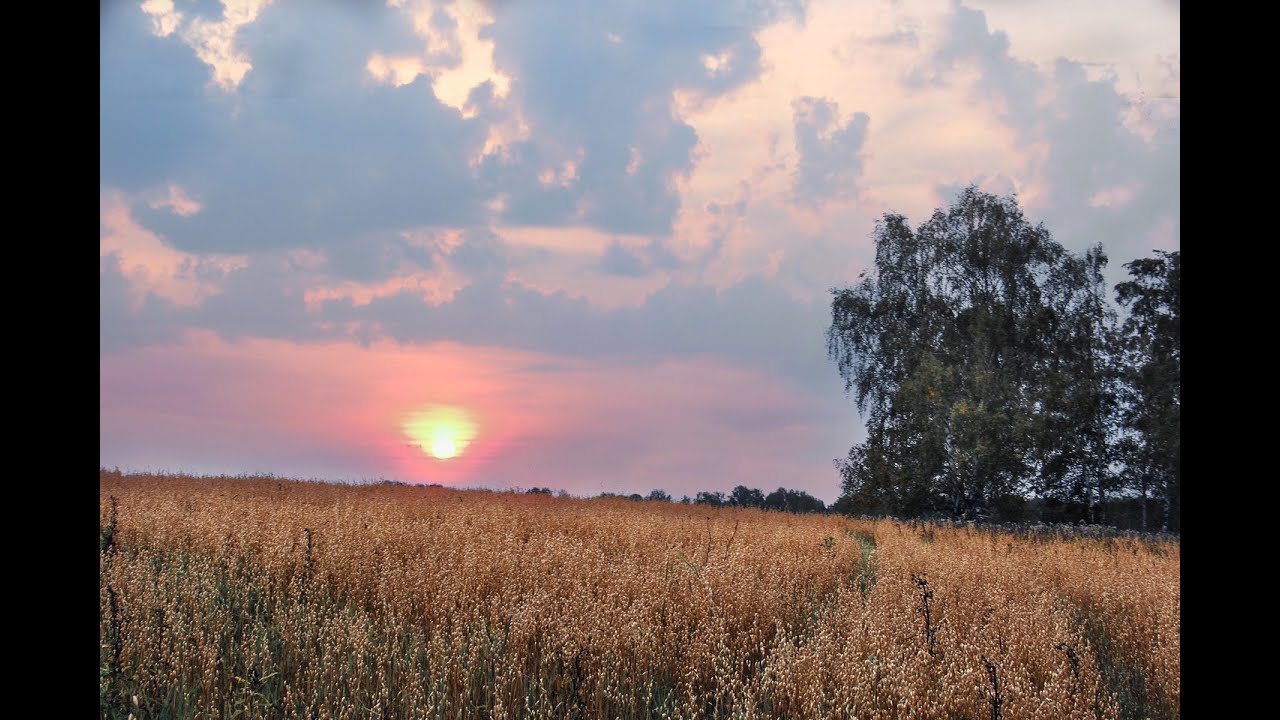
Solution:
(581, 244)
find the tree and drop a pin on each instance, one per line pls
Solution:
(659, 495)
(1151, 342)
(956, 350)
(714, 499)
(742, 496)
(797, 501)
(1079, 389)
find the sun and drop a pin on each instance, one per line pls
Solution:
(442, 431)
(444, 448)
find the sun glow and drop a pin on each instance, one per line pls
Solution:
(444, 448)
(441, 431)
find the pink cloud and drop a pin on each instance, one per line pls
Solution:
(1114, 196)
(151, 264)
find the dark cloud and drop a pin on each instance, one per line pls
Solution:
(595, 81)
(314, 153)
(516, 178)
(1001, 76)
(378, 257)
(265, 299)
(308, 152)
(154, 115)
(481, 253)
(754, 323)
(659, 255)
(1106, 182)
(830, 160)
(1093, 155)
(618, 260)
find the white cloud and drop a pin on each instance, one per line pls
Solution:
(164, 18)
(394, 70)
(214, 42)
(455, 56)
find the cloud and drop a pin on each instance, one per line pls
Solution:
(755, 323)
(265, 299)
(1001, 77)
(154, 115)
(907, 38)
(123, 321)
(297, 144)
(1098, 174)
(596, 84)
(1092, 156)
(164, 17)
(946, 193)
(152, 265)
(830, 160)
(479, 253)
(215, 41)
(377, 257)
(457, 56)
(619, 260)
(311, 152)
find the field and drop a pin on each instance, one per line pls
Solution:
(247, 598)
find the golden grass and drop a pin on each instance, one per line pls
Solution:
(412, 602)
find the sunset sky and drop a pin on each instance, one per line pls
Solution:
(583, 244)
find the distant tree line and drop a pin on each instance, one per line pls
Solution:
(997, 380)
(797, 501)
(782, 499)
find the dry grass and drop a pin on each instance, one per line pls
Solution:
(270, 598)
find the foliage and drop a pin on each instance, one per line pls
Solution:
(797, 501)
(989, 367)
(714, 499)
(1152, 343)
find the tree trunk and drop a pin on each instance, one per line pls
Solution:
(1102, 501)
(1144, 504)
(1168, 506)
(1088, 500)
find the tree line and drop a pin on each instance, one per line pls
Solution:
(782, 499)
(999, 382)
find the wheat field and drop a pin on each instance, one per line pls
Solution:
(270, 598)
